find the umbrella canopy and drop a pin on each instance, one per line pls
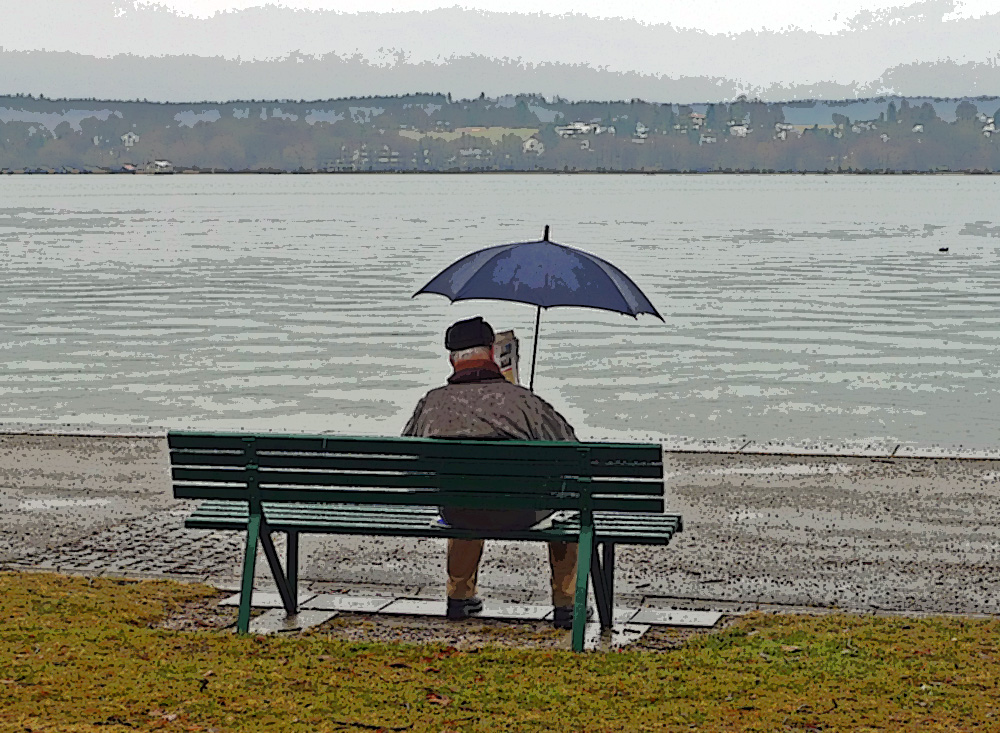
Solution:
(544, 274)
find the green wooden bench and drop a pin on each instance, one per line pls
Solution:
(393, 486)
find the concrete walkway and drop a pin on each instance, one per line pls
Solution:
(857, 533)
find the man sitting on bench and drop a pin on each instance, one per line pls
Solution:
(479, 403)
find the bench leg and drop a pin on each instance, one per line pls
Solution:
(249, 561)
(582, 576)
(605, 606)
(289, 599)
(608, 566)
(292, 562)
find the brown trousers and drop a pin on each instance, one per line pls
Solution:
(463, 568)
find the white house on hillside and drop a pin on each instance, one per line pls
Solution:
(533, 145)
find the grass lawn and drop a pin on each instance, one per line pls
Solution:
(86, 655)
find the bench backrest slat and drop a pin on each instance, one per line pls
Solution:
(607, 459)
(487, 474)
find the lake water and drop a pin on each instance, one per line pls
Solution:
(810, 310)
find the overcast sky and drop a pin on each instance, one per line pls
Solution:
(714, 16)
(698, 50)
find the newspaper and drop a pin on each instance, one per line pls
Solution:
(506, 355)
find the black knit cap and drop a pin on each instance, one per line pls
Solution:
(468, 333)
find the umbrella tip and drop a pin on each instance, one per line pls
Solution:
(545, 238)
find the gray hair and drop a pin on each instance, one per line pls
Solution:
(474, 352)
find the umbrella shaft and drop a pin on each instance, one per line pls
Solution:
(534, 350)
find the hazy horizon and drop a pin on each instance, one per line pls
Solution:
(118, 50)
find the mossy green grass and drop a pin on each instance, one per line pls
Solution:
(79, 654)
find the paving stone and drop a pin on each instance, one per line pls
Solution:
(737, 608)
(623, 615)
(351, 604)
(625, 634)
(276, 621)
(323, 587)
(591, 637)
(593, 614)
(265, 600)
(676, 617)
(416, 607)
(518, 611)
(616, 637)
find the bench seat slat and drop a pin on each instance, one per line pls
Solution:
(655, 527)
(421, 513)
(420, 522)
(416, 521)
(558, 533)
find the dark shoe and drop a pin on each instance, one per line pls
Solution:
(562, 618)
(459, 609)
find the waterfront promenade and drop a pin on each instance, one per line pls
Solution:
(868, 533)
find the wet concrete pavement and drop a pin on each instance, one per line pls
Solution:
(856, 533)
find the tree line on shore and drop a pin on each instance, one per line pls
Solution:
(433, 132)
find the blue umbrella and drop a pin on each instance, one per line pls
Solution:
(544, 274)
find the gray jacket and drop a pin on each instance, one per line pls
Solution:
(488, 408)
